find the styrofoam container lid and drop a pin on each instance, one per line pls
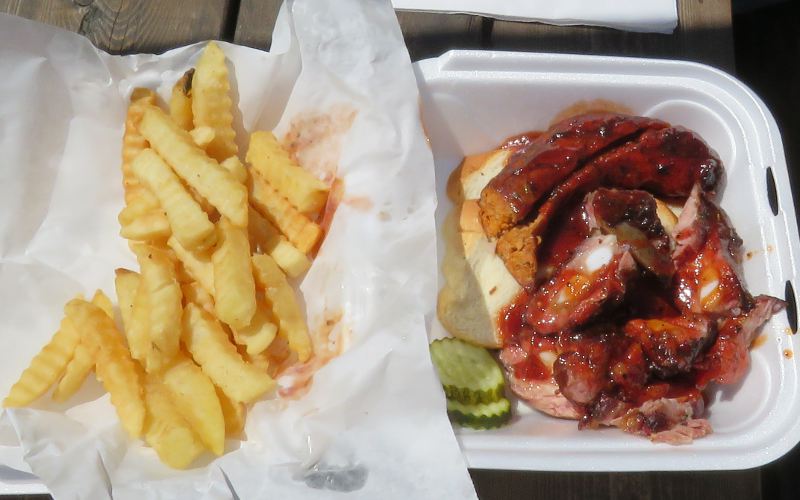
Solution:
(472, 100)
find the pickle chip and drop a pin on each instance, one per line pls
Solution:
(469, 374)
(480, 416)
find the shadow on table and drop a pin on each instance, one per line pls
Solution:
(706, 45)
(426, 39)
(496, 485)
(768, 60)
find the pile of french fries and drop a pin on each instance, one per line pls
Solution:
(210, 319)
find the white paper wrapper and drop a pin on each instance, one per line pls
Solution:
(373, 423)
(657, 16)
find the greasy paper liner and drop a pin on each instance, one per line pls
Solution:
(338, 81)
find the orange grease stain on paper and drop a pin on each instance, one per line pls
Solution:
(422, 122)
(330, 338)
(360, 203)
(314, 140)
(334, 199)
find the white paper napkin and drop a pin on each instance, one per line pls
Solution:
(657, 16)
(373, 424)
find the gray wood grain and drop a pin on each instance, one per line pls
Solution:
(430, 35)
(426, 35)
(735, 485)
(704, 35)
(255, 22)
(127, 26)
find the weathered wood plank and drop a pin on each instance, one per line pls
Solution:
(430, 35)
(426, 35)
(127, 26)
(255, 23)
(726, 485)
(500, 485)
(704, 34)
(67, 15)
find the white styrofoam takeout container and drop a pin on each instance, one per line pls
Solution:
(472, 100)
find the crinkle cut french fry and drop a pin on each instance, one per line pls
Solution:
(126, 283)
(102, 301)
(180, 102)
(211, 348)
(188, 222)
(164, 304)
(208, 208)
(196, 399)
(234, 285)
(235, 166)
(165, 430)
(260, 361)
(45, 367)
(138, 200)
(76, 371)
(143, 219)
(202, 136)
(181, 272)
(195, 293)
(152, 226)
(265, 238)
(97, 329)
(191, 163)
(115, 368)
(83, 359)
(267, 157)
(211, 102)
(261, 331)
(302, 232)
(142, 203)
(233, 412)
(138, 332)
(133, 305)
(132, 141)
(284, 305)
(121, 378)
(197, 264)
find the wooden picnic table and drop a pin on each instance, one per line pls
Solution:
(704, 34)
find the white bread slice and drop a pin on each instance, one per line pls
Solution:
(468, 180)
(477, 284)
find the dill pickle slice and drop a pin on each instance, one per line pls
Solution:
(468, 373)
(480, 416)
